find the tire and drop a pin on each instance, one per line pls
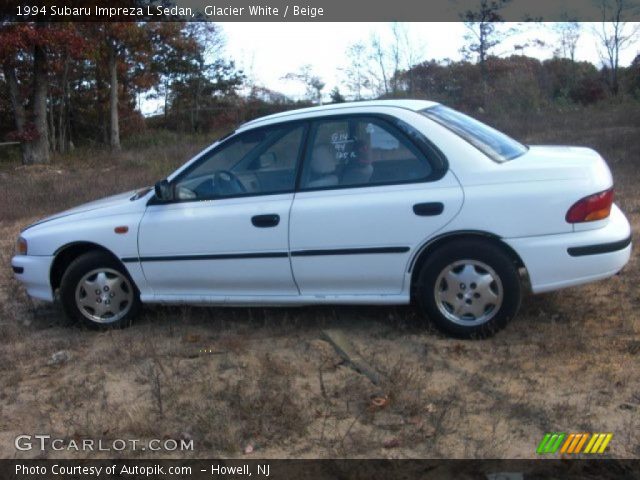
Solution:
(469, 289)
(97, 291)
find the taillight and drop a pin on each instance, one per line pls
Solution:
(591, 208)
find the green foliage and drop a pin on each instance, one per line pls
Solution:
(336, 96)
(632, 78)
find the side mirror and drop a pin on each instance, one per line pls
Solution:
(163, 190)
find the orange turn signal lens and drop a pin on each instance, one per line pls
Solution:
(21, 246)
(598, 214)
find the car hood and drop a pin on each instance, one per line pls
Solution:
(107, 203)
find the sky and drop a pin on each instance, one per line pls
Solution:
(266, 52)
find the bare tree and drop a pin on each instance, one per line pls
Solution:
(568, 36)
(615, 35)
(379, 68)
(413, 54)
(312, 82)
(356, 72)
(391, 65)
(396, 56)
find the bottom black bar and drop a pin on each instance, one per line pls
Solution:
(600, 248)
(321, 469)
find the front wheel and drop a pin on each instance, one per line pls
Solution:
(97, 291)
(469, 289)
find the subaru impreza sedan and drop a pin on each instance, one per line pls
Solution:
(384, 202)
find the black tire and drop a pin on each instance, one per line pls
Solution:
(85, 264)
(477, 253)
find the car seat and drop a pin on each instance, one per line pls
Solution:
(323, 168)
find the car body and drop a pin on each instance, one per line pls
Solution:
(355, 203)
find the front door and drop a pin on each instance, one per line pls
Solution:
(226, 234)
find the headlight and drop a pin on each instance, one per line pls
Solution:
(21, 246)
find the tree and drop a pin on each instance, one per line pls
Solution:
(113, 45)
(396, 56)
(312, 82)
(390, 65)
(127, 59)
(336, 96)
(380, 65)
(482, 35)
(413, 53)
(568, 36)
(197, 74)
(128, 50)
(357, 69)
(615, 35)
(25, 50)
(634, 74)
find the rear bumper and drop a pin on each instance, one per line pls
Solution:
(566, 260)
(33, 272)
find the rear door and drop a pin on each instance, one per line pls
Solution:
(371, 191)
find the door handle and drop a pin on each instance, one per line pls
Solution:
(429, 209)
(265, 221)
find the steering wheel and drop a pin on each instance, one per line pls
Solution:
(227, 183)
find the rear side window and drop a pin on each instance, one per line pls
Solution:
(360, 151)
(494, 144)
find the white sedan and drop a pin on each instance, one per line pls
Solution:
(382, 202)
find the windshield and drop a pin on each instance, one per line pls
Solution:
(496, 145)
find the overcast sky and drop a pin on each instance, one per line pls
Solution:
(268, 51)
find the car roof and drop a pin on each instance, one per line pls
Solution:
(308, 112)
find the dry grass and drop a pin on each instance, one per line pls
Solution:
(568, 363)
(88, 174)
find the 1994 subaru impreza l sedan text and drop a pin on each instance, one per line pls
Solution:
(379, 202)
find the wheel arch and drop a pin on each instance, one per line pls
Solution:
(435, 243)
(66, 254)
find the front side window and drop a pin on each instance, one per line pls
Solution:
(496, 145)
(256, 162)
(360, 151)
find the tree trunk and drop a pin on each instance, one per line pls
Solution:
(39, 147)
(166, 94)
(19, 114)
(53, 138)
(195, 112)
(62, 111)
(114, 130)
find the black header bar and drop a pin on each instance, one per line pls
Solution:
(303, 10)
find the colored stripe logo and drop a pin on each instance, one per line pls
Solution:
(574, 443)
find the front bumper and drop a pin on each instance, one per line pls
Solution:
(566, 260)
(33, 272)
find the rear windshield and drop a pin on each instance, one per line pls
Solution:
(496, 145)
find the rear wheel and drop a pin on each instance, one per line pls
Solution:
(469, 288)
(97, 291)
